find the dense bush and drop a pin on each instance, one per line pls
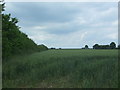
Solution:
(42, 47)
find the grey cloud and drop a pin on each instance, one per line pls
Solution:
(43, 12)
(62, 19)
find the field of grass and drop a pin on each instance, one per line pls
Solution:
(63, 69)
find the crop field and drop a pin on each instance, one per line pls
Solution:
(63, 69)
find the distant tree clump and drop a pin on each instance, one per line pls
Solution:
(86, 46)
(52, 48)
(96, 46)
(111, 46)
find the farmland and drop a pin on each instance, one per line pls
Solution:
(63, 69)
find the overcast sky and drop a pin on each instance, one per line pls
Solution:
(67, 25)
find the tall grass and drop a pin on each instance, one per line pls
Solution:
(63, 68)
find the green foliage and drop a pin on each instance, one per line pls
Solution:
(112, 45)
(96, 46)
(63, 69)
(86, 46)
(42, 47)
(14, 41)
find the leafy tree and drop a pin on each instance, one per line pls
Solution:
(96, 46)
(112, 45)
(86, 46)
(15, 42)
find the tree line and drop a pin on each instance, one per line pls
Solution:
(97, 46)
(15, 42)
(111, 46)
